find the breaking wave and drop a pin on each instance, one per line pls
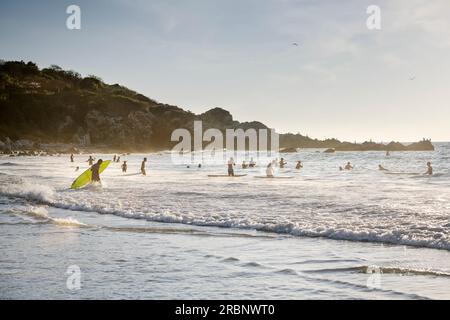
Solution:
(29, 191)
(389, 237)
(41, 215)
(428, 236)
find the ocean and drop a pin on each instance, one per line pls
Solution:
(179, 234)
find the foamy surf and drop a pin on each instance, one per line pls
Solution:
(29, 191)
(68, 222)
(37, 212)
(438, 237)
(41, 215)
(389, 237)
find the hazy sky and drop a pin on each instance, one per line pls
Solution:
(342, 81)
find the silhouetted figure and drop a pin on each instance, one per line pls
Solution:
(299, 165)
(348, 166)
(90, 160)
(269, 170)
(282, 163)
(96, 171)
(71, 157)
(230, 167)
(429, 169)
(143, 167)
(124, 166)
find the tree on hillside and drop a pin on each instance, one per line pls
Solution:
(55, 67)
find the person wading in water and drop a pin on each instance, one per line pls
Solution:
(143, 167)
(96, 171)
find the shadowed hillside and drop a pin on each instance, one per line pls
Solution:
(52, 105)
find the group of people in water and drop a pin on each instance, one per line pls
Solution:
(95, 168)
(270, 169)
(381, 168)
(428, 172)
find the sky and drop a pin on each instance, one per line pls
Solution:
(342, 80)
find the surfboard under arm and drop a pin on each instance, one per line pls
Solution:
(86, 177)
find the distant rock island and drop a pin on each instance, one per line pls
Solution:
(52, 108)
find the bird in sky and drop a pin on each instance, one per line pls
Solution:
(295, 44)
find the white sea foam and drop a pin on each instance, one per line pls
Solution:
(41, 214)
(37, 212)
(429, 237)
(28, 190)
(70, 222)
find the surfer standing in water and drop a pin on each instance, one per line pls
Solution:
(269, 170)
(230, 167)
(71, 157)
(90, 160)
(143, 167)
(96, 171)
(429, 169)
(124, 166)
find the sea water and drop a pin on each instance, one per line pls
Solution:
(179, 234)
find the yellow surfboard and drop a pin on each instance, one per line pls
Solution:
(86, 176)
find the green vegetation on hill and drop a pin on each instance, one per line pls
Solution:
(55, 105)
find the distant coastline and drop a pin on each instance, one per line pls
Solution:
(52, 110)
